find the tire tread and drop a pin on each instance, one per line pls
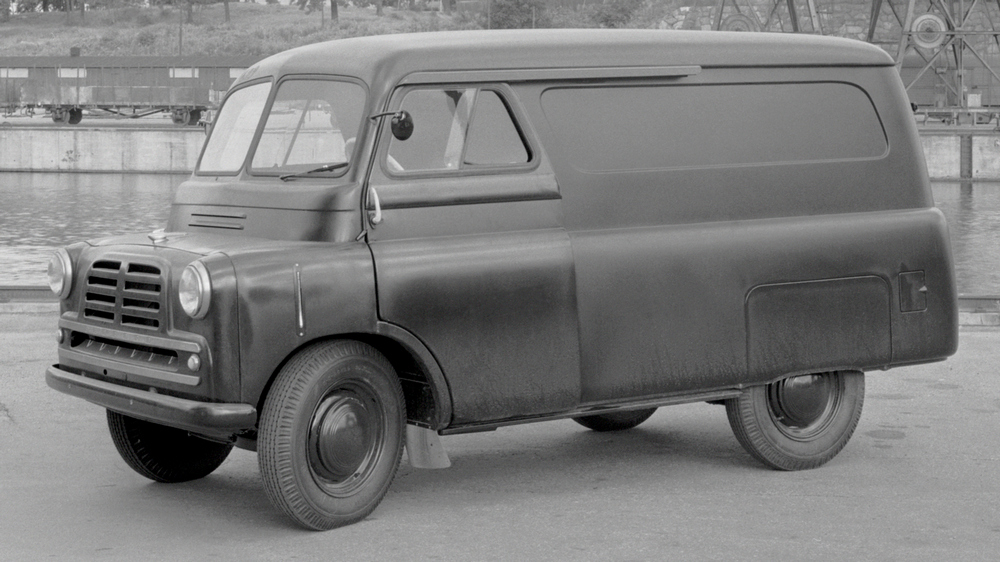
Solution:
(164, 454)
(744, 418)
(276, 435)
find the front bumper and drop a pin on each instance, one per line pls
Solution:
(205, 418)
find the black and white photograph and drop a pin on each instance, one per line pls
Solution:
(499, 280)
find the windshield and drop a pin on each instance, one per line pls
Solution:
(312, 124)
(233, 130)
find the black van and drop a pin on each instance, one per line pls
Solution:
(393, 238)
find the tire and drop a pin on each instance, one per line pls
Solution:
(164, 454)
(331, 434)
(799, 422)
(74, 116)
(615, 421)
(193, 117)
(179, 116)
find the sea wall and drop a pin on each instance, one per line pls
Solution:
(950, 155)
(962, 155)
(99, 149)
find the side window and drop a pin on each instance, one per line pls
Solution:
(457, 129)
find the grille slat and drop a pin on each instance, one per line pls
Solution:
(97, 297)
(134, 304)
(143, 269)
(102, 315)
(101, 307)
(141, 313)
(101, 281)
(125, 293)
(107, 265)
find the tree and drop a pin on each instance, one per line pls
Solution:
(516, 14)
(4, 11)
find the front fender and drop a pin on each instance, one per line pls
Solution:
(289, 295)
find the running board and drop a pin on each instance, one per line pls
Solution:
(595, 409)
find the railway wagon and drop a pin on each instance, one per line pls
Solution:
(64, 87)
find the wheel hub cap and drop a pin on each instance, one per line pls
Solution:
(803, 405)
(340, 439)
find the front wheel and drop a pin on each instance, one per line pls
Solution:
(799, 422)
(331, 434)
(164, 454)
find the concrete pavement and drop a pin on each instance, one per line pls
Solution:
(919, 481)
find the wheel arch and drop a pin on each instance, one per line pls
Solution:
(425, 390)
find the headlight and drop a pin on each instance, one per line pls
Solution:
(195, 290)
(60, 273)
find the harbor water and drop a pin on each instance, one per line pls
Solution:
(42, 211)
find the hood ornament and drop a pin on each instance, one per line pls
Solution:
(158, 236)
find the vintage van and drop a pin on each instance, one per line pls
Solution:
(388, 239)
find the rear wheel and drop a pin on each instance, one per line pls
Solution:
(799, 422)
(331, 434)
(164, 454)
(615, 421)
(74, 116)
(179, 116)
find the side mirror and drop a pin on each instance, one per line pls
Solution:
(402, 125)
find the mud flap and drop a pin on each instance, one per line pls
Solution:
(424, 449)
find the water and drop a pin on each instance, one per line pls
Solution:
(42, 211)
(39, 212)
(973, 211)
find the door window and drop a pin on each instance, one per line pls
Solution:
(457, 129)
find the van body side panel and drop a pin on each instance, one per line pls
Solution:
(682, 270)
(714, 305)
(657, 315)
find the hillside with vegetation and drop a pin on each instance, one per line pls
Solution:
(252, 29)
(262, 29)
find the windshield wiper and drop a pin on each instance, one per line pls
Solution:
(327, 168)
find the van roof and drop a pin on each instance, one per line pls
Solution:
(386, 59)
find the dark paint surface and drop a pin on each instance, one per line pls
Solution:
(549, 290)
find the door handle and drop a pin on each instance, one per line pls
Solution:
(374, 216)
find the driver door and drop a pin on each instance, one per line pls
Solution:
(471, 255)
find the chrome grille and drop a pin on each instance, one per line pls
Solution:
(125, 293)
